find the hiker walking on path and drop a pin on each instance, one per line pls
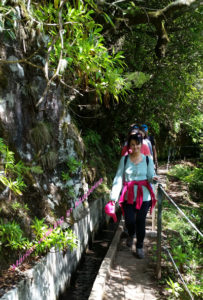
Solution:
(151, 142)
(133, 177)
(144, 148)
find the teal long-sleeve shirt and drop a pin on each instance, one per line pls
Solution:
(140, 171)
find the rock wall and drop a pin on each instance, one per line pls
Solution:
(44, 136)
(39, 135)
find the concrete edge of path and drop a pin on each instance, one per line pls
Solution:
(104, 271)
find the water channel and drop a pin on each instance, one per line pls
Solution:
(82, 280)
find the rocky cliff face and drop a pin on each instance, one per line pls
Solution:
(41, 135)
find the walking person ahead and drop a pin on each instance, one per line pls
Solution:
(144, 148)
(134, 176)
(150, 139)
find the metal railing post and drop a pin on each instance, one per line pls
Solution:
(153, 220)
(153, 212)
(159, 229)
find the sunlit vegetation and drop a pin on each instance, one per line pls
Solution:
(184, 243)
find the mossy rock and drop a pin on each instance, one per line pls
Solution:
(71, 131)
(49, 160)
(41, 135)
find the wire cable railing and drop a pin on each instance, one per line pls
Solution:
(161, 193)
(177, 270)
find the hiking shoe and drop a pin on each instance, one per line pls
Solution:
(140, 253)
(129, 241)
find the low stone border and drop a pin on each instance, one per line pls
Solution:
(52, 274)
(104, 271)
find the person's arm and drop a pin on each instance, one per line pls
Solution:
(117, 182)
(154, 151)
(150, 170)
(155, 157)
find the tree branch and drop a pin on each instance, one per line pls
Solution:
(21, 61)
(159, 17)
(60, 58)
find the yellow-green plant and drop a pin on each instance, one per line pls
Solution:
(11, 173)
(38, 227)
(185, 245)
(17, 206)
(57, 237)
(11, 236)
(192, 176)
(73, 164)
(174, 289)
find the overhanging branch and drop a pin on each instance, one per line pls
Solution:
(159, 17)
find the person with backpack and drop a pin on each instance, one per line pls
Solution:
(133, 177)
(144, 148)
(151, 142)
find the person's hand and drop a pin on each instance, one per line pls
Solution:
(155, 178)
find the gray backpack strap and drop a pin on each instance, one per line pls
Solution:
(125, 160)
(147, 159)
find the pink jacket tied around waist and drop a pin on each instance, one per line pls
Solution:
(129, 187)
(110, 210)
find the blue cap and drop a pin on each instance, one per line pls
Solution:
(145, 127)
(135, 127)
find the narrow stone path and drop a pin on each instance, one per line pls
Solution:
(132, 278)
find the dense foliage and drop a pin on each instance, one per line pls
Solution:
(113, 65)
(74, 46)
(171, 100)
(103, 53)
(193, 176)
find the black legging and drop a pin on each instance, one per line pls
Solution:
(135, 220)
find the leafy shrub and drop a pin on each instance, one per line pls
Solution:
(84, 55)
(11, 236)
(11, 175)
(16, 206)
(180, 171)
(185, 248)
(192, 176)
(92, 139)
(195, 180)
(197, 290)
(58, 238)
(174, 289)
(38, 227)
(73, 164)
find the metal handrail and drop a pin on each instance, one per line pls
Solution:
(180, 211)
(181, 277)
(160, 193)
